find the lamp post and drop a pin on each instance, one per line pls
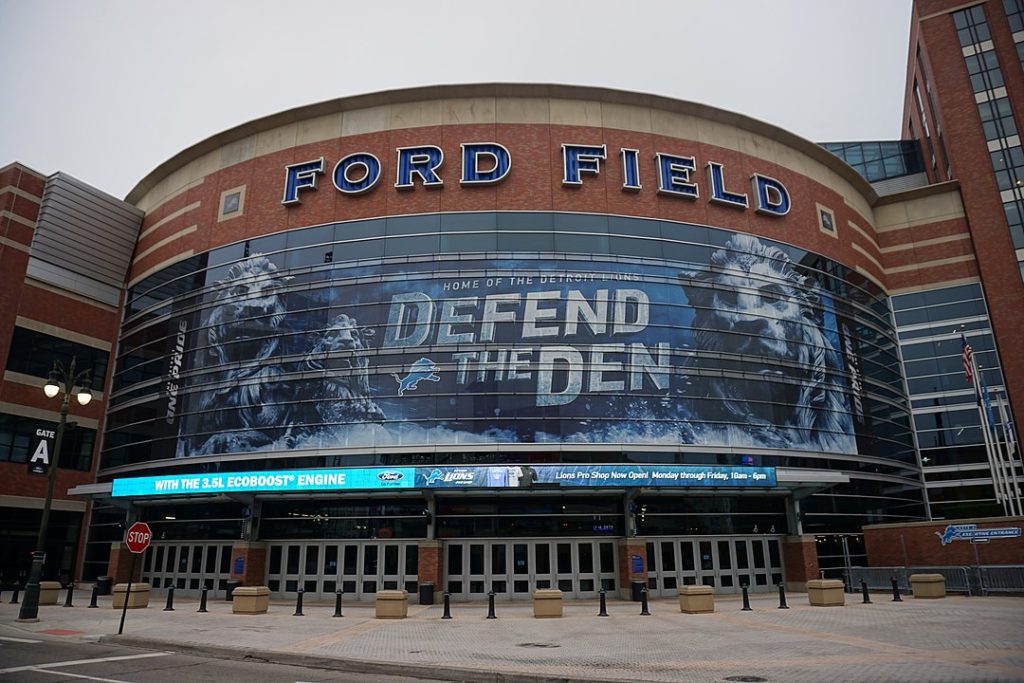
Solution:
(30, 605)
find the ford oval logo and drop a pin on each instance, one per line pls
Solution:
(390, 476)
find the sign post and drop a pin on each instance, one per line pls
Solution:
(137, 539)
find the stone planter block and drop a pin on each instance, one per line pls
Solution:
(138, 599)
(250, 600)
(826, 593)
(49, 592)
(696, 599)
(547, 602)
(392, 604)
(928, 586)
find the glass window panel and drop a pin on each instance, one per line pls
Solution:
(476, 559)
(724, 558)
(455, 559)
(586, 558)
(543, 556)
(312, 559)
(498, 564)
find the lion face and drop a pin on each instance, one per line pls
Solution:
(249, 312)
(337, 352)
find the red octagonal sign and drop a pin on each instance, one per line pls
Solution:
(138, 537)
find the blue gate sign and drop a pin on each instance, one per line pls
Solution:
(971, 532)
(636, 564)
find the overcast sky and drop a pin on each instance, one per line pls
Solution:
(108, 90)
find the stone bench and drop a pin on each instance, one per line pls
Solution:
(826, 593)
(392, 604)
(49, 592)
(250, 600)
(696, 599)
(928, 586)
(137, 600)
(547, 602)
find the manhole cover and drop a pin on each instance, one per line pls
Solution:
(537, 645)
(746, 679)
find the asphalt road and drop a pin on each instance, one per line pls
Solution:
(30, 660)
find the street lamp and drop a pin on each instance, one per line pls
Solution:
(30, 605)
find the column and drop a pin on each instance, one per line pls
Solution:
(430, 566)
(632, 564)
(120, 563)
(249, 563)
(800, 561)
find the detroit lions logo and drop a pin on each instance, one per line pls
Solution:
(423, 369)
(434, 475)
(948, 535)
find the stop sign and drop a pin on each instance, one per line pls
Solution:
(138, 537)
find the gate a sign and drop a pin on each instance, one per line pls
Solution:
(138, 537)
(42, 450)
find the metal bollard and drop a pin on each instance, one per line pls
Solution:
(782, 596)
(170, 600)
(14, 596)
(70, 595)
(896, 591)
(447, 607)
(643, 602)
(337, 603)
(490, 605)
(604, 609)
(202, 600)
(864, 592)
(298, 603)
(746, 598)
(95, 593)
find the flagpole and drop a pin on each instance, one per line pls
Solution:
(1011, 446)
(997, 483)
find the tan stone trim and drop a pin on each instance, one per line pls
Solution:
(221, 216)
(935, 285)
(927, 243)
(70, 295)
(866, 273)
(21, 193)
(822, 209)
(26, 503)
(929, 264)
(164, 242)
(948, 11)
(54, 331)
(23, 168)
(169, 217)
(865, 254)
(15, 244)
(18, 219)
(38, 382)
(163, 264)
(47, 415)
(863, 233)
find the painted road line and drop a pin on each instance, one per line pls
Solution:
(19, 640)
(68, 673)
(79, 662)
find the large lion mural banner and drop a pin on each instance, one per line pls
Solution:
(743, 350)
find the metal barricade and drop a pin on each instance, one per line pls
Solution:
(958, 579)
(1007, 578)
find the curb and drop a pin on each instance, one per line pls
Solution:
(423, 671)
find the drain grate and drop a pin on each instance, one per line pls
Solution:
(746, 679)
(537, 645)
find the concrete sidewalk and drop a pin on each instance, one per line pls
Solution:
(956, 639)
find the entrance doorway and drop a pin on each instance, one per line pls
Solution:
(514, 569)
(723, 563)
(359, 568)
(189, 567)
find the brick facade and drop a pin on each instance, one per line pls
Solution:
(895, 545)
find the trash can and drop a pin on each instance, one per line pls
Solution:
(426, 593)
(104, 585)
(231, 586)
(636, 591)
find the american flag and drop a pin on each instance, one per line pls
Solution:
(968, 357)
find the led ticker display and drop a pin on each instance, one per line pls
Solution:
(500, 476)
